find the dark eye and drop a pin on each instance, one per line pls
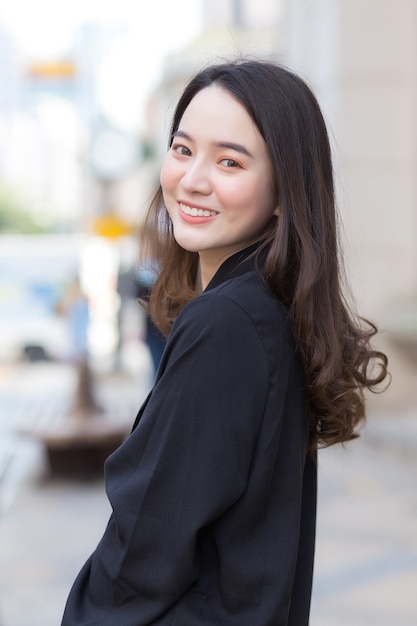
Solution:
(180, 149)
(229, 163)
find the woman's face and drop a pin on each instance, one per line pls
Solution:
(217, 179)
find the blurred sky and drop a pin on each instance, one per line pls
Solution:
(44, 29)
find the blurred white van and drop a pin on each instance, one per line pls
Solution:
(34, 272)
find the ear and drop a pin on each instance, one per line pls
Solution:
(277, 211)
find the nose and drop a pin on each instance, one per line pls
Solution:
(196, 178)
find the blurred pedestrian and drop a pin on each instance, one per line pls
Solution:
(74, 305)
(214, 492)
(145, 277)
(133, 285)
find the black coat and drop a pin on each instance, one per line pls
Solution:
(213, 493)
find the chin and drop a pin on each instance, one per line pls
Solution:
(187, 240)
(188, 245)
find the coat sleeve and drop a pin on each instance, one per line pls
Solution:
(183, 466)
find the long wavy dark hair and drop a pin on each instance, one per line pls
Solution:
(302, 265)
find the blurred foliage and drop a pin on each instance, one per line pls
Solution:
(14, 215)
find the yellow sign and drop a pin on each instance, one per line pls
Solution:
(52, 70)
(111, 226)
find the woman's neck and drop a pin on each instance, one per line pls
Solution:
(210, 261)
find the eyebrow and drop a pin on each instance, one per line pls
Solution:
(237, 147)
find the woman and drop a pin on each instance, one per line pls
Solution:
(214, 492)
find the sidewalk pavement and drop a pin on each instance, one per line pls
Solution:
(366, 558)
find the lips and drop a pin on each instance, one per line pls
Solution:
(192, 211)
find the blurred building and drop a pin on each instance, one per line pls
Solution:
(49, 106)
(361, 60)
(9, 88)
(9, 92)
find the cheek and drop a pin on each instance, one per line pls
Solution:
(233, 193)
(254, 203)
(248, 196)
(168, 175)
(266, 196)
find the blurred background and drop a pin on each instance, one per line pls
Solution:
(86, 95)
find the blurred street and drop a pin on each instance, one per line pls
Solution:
(366, 553)
(366, 559)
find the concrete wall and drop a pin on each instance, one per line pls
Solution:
(241, 13)
(360, 57)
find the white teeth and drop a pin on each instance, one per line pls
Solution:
(197, 212)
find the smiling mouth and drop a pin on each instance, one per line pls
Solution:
(194, 212)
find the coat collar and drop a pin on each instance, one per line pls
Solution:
(240, 263)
